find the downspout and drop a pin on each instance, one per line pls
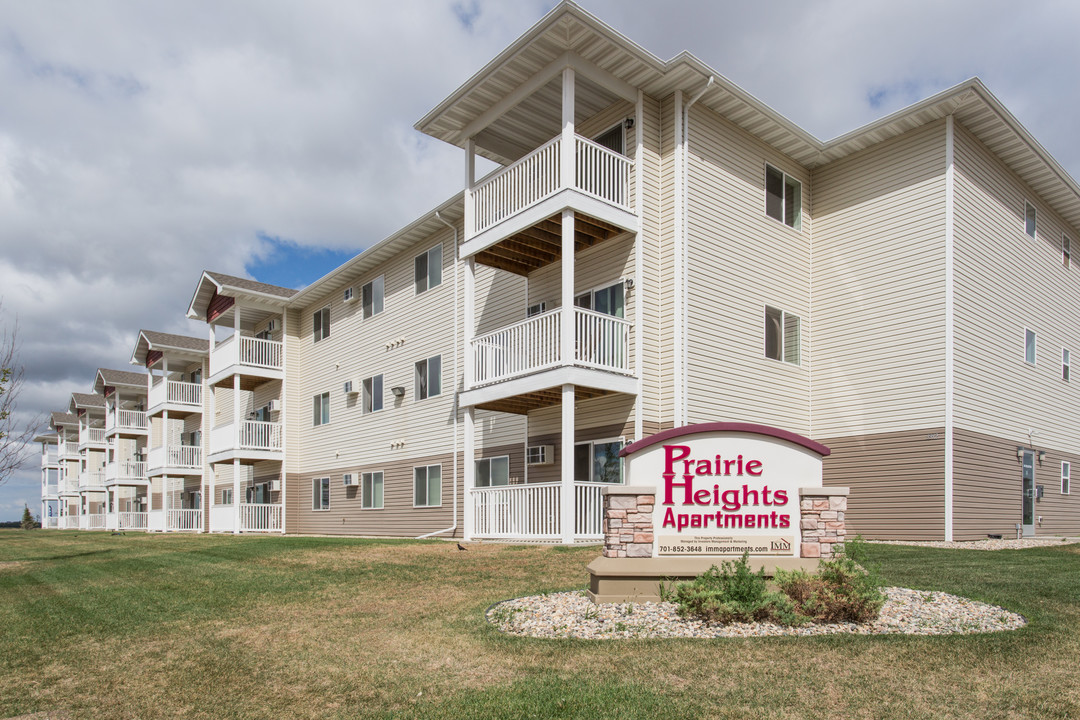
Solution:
(681, 260)
(456, 408)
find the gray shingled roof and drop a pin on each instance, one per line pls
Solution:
(245, 284)
(87, 400)
(180, 342)
(63, 418)
(122, 377)
(50, 437)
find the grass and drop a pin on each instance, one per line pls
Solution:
(162, 626)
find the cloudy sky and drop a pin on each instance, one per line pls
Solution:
(141, 143)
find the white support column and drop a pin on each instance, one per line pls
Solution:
(567, 500)
(236, 495)
(677, 316)
(283, 417)
(469, 321)
(165, 503)
(639, 264)
(470, 181)
(470, 471)
(566, 156)
(566, 341)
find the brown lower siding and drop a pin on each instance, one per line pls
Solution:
(897, 483)
(987, 487)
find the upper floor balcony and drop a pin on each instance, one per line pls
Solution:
(91, 438)
(565, 172)
(175, 459)
(92, 480)
(241, 354)
(50, 456)
(248, 439)
(126, 422)
(125, 472)
(68, 450)
(182, 397)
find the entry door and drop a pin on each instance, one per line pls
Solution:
(1027, 505)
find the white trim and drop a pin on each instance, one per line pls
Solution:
(429, 286)
(427, 489)
(950, 319)
(1066, 477)
(784, 177)
(1066, 250)
(380, 276)
(639, 290)
(1035, 347)
(679, 273)
(1066, 365)
(1034, 234)
(488, 461)
(603, 441)
(319, 480)
(373, 473)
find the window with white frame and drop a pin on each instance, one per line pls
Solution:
(371, 490)
(321, 324)
(493, 472)
(1029, 219)
(427, 486)
(613, 139)
(321, 409)
(371, 297)
(1066, 250)
(428, 378)
(783, 197)
(783, 335)
(536, 309)
(427, 269)
(1066, 470)
(1029, 346)
(226, 496)
(372, 395)
(320, 494)
(1065, 364)
(598, 461)
(608, 300)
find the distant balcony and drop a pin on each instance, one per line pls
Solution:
(125, 471)
(175, 396)
(126, 422)
(91, 479)
(183, 520)
(176, 458)
(68, 451)
(253, 439)
(50, 457)
(91, 437)
(248, 356)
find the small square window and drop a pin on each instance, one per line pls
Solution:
(321, 409)
(1066, 470)
(320, 494)
(1029, 346)
(321, 324)
(427, 486)
(427, 269)
(372, 297)
(1029, 219)
(428, 378)
(783, 197)
(226, 496)
(371, 490)
(372, 400)
(783, 336)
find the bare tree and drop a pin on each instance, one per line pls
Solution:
(15, 436)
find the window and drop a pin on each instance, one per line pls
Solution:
(1066, 250)
(321, 320)
(783, 197)
(428, 378)
(613, 139)
(321, 409)
(492, 472)
(373, 394)
(196, 376)
(1066, 469)
(428, 269)
(1065, 364)
(226, 496)
(371, 490)
(608, 300)
(260, 494)
(536, 309)
(1029, 346)
(427, 486)
(783, 338)
(320, 494)
(372, 297)
(1029, 219)
(598, 461)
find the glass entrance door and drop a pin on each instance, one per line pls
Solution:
(1027, 505)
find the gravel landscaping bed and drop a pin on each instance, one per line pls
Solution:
(573, 615)
(1003, 544)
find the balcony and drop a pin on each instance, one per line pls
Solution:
(125, 472)
(126, 422)
(254, 517)
(132, 521)
(246, 356)
(68, 451)
(175, 396)
(183, 520)
(532, 512)
(538, 186)
(253, 440)
(92, 479)
(91, 437)
(180, 459)
(50, 457)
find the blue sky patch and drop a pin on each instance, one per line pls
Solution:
(289, 264)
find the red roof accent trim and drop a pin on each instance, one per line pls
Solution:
(218, 305)
(152, 357)
(751, 428)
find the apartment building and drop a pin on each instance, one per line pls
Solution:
(658, 248)
(50, 480)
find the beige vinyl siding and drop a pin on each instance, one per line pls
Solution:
(879, 288)
(1007, 281)
(896, 480)
(606, 119)
(596, 418)
(294, 406)
(647, 294)
(738, 261)
(665, 285)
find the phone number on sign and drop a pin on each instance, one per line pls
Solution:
(711, 549)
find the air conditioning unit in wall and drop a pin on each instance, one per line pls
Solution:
(348, 388)
(349, 296)
(540, 454)
(350, 480)
(271, 325)
(273, 405)
(275, 486)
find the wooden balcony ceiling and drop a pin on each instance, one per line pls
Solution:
(541, 244)
(248, 383)
(523, 404)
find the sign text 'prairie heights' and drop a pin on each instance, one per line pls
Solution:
(733, 502)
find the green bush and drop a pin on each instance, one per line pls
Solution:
(842, 591)
(732, 594)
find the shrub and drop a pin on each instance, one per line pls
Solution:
(734, 593)
(842, 591)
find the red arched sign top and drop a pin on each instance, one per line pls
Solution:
(731, 427)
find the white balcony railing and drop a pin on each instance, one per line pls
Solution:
(598, 172)
(249, 351)
(94, 521)
(92, 436)
(184, 520)
(176, 456)
(254, 435)
(532, 512)
(69, 449)
(133, 521)
(127, 420)
(50, 488)
(92, 478)
(50, 522)
(69, 522)
(601, 341)
(175, 393)
(259, 517)
(221, 518)
(50, 458)
(125, 470)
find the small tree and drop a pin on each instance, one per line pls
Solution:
(15, 436)
(27, 519)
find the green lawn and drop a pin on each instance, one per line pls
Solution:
(162, 626)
